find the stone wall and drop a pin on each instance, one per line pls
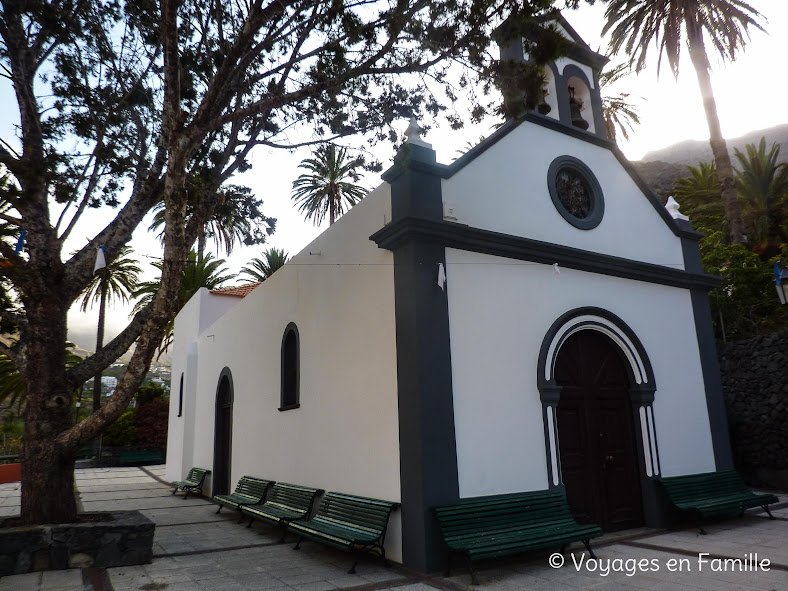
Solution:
(114, 538)
(755, 386)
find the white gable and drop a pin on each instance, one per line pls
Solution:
(505, 189)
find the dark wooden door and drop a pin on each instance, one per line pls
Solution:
(596, 433)
(223, 437)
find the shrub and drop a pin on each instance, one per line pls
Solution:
(122, 432)
(148, 393)
(151, 422)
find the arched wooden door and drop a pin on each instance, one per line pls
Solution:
(223, 435)
(596, 433)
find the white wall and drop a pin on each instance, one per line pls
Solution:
(200, 311)
(505, 190)
(499, 313)
(345, 435)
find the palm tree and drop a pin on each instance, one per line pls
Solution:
(325, 188)
(699, 197)
(763, 188)
(636, 23)
(619, 112)
(236, 218)
(198, 272)
(117, 280)
(262, 267)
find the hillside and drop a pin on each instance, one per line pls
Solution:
(660, 168)
(694, 151)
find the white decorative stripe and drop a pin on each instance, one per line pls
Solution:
(644, 433)
(591, 322)
(653, 436)
(553, 445)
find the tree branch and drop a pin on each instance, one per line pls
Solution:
(110, 352)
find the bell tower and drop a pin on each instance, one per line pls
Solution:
(571, 91)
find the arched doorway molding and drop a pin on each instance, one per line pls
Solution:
(641, 379)
(223, 433)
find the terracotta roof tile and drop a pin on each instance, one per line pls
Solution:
(240, 291)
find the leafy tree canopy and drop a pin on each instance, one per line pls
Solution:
(136, 103)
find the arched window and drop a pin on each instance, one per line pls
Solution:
(180, 398)
(290, 368)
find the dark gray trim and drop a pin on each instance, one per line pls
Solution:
(594, 218)
(640, 395)
(707, 348)
(548, 389)
(463, 237)
(289, 404)
(428, 450)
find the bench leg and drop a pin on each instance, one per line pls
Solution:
(284, 533)
(298, 543)
(386, 563)
(219, 509)
(563, 548)
(240, 518)
(251, 519)
(587, 544)
(474, 580)
(766, 508)
(352, 570)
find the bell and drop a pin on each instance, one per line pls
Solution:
(544, 108)
(574, 111)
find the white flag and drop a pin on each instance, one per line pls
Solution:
(441, 276)
(100, 261)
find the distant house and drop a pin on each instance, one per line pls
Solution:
(527, 318)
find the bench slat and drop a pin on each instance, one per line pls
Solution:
(249, 491)
(713, 493)
(348, 522)
(502, 526)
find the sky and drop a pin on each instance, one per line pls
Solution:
(750, 95)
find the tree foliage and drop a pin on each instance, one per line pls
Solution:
(199, 272)
(635, 25)
(148, 393)
(620, 113)
(745, 304)
(329, 186)
(237, 217)
(262, 267)
(763, 188)
(151, 422)
(133, 104)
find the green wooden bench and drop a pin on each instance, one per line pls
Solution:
(502, 526)
(286, 503)
(140, 456)
(249, 491)
(714, 493)
(193, 482)
(350, 523)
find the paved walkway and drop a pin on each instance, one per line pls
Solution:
(196, 549)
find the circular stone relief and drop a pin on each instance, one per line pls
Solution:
(575, 192)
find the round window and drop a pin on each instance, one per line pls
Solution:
(575, 192)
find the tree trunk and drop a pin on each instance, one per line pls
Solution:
(100, 342)
(332, 206)
(201, 245)
(719, 149)
(47, 467)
